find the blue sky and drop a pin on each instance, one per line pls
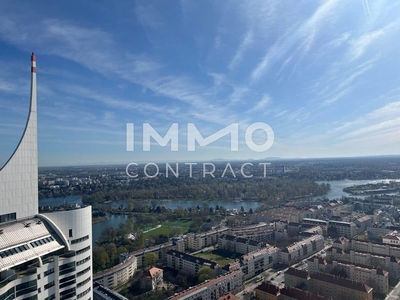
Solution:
(323, 74)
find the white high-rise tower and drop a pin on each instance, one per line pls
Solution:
(42, 256)
(19, 176)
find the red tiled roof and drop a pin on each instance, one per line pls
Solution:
(154, 272)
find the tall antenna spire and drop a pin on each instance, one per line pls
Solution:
(33, 82)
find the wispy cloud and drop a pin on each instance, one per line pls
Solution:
(148, 16)
(303, 33)
(261, 105)
(345, 85)
(247, 41)
(361, 44)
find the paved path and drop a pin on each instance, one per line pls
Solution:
(158, 226)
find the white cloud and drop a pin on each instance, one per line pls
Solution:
(305, 33)
(247, 41)
(262, 104)
(148, 16)
(361, 44)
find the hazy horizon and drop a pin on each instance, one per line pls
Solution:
(322, 74)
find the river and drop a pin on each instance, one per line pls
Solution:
(337, 187)
(336, 192)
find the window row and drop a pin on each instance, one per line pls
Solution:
(76, 241)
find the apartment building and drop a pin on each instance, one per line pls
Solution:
(102, 293)
(189, 264)
(302, 249)
(258, 235)
(271, 292)
(151, 279)
(238, 244)
(254, 227)
(119, 274)
(388, 263)
(198, 241)
(311, 230)
(378, 278)
(363, 223)
(283, 213)
(392, 238)
(160, 250)
(376, 231)
(255, 263)
(229, 296)
(369, 247)
(346, 229)
(328, 286)
(294, 229)
(316, 222)
(214, 288)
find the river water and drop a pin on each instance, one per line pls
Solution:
(336, 192)
(337, 187)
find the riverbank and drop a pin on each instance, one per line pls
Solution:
(99, 219)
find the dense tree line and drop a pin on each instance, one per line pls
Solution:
(259, 189)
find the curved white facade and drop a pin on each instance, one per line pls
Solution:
(42, 256)
(74, 227)
(19, 176)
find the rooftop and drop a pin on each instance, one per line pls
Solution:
(228, 296)
(342, 282)
(192, 258)
(268, 288)
(203, 286)
(298, 273)
(106, 293)
(25, 240)
(154, 272)
(299, 294)
(288, 291)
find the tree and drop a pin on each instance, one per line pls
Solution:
(150, 259)
(161, 239)
(111, 250)
(100, 258)
(121, 249)
(109, 234)
(140, 241)
(380, 238)
(205, 273)
(175, 231)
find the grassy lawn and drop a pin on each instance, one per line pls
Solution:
(184, 224)
(216, 256)
(158, 231)
(166, 228)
